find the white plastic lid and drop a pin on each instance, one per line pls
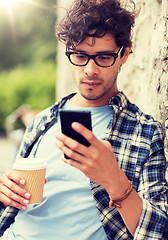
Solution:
(29, 163)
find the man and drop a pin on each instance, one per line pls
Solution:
(124, 165)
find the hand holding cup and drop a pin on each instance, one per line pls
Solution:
(33, 170)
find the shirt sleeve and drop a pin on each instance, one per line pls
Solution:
(6, 217)
(153, 190)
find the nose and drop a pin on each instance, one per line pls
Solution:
(91, 68)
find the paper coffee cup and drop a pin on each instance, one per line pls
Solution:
(33, 170)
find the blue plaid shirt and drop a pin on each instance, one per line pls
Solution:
(137, 142)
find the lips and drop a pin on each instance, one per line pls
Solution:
(91, 83)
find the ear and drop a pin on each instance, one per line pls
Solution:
(126, 55)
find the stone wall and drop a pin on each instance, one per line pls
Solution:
(144, 78)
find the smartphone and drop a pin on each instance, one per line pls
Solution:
(68, 117)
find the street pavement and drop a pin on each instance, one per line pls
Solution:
(7, 154)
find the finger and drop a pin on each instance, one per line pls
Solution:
(11, 193)
(14, 177)
(91, 137)
(74, 163)
(10, 198)
(14, 183)
(107, 144)
(86, 133)
(73, 149)
(69, 146)
(9, 202)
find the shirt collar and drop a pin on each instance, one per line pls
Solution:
(118, 102)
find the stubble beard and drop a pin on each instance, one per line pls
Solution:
(93, 96)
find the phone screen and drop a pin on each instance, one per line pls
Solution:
(68, 117)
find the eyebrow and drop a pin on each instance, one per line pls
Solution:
(99, 52)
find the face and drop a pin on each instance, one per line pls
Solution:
(95, 84)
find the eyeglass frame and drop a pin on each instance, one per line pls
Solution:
(114, 55)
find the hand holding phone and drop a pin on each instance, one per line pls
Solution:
(68, 117)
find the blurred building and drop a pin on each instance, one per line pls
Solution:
(65, 83)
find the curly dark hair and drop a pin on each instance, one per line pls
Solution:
(96, 18)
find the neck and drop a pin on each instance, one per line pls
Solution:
(79, 101)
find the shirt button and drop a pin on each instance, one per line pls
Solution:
(42, 128)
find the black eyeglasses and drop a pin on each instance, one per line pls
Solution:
(101, 59)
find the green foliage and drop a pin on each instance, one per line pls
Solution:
(27, 33)
(33, 85)
(27, 56)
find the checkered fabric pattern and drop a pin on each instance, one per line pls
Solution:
(137, 142)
